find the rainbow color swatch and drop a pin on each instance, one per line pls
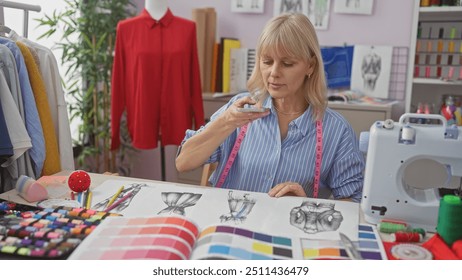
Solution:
(226, 242)
(369, 245)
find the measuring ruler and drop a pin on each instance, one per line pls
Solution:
(240, 138)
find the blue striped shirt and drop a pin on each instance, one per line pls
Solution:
(263, 160)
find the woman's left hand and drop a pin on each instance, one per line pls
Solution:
(287, 188)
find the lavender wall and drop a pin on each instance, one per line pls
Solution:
(390, 23)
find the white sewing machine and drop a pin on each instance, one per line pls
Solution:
(406, 166)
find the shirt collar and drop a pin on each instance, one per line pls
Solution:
(304, 123)
(151, 23)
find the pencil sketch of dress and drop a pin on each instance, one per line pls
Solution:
(288, 6)
(239, 208)
(320, 13)
(370, 69)
(350, 3)
(314, 217)
(353, 7)
(177, 201)
(292, 6)
(253, 4)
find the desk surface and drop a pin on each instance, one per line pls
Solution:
(98, 179)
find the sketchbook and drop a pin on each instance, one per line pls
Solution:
(175, 237)
(173, 221)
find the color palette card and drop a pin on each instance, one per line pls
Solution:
(227, 242)
(175, 237)
(369, 245)
(122, 238)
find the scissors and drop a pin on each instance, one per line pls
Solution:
(350, 248)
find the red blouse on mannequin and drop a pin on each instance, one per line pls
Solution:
(156, 79)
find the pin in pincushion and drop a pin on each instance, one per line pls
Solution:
(79, 181)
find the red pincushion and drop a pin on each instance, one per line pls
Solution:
(79, 181)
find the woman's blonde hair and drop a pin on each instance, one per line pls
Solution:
(293, 35)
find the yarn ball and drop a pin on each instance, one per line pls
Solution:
(79, 181)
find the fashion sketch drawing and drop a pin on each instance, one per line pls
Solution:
(239, 208)
(178, 201)
(312, 217)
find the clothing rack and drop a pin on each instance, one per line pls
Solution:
(19, 6)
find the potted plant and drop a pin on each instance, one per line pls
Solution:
(87, 46)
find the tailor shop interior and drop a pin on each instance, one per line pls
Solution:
(159, 68)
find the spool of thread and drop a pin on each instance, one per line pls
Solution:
(420, 231)
(401, 236)
(417, 71)
(387, 227)
(408, 133)
(449, 225)
(30, 190)
(427, 72)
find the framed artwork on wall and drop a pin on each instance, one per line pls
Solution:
(290, 6)
(316, 10)
(363, 7)
(247, 6)
(371, 70)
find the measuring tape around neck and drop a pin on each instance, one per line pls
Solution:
(318, 161)
(232, 156)
(240, 138)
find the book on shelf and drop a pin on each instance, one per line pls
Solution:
(213, 81)
(227, 45)
(241, 66)
(173, 222)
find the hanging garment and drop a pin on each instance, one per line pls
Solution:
(6, 147)
(156, 79)
(23, 165)
(16, 129)
(52, 163)
(26, 104)
(49, 70)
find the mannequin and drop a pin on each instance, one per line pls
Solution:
(156, 8)
(155, 79)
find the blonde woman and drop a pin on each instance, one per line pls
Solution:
(295, 145)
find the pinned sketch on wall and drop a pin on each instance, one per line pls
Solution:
(316, 10)
(247, 6)
(363, 7)
(371, 70)
(290, 6)
(318, 13)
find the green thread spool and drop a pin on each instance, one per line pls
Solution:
(449, 225)
(386, 227)
(421, 231)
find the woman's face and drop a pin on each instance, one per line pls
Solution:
(283, 76)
